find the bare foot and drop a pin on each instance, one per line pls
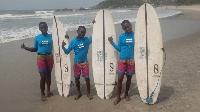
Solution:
(117, 101)
(127, 97)
(43, 98)
(89, 96)
(78, 96)
(49, 94)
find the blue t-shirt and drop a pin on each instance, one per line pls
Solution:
(125, 46)
(43, 44)
(80, 47)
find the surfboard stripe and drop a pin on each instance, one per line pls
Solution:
(147, 52)
(104, 54)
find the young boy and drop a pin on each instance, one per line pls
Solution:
(126, 64)
(43, 46)
(80, 45)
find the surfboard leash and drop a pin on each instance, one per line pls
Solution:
(150, 99)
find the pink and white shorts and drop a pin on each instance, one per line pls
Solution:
(45, 63)
(81, 68)
(126, 67)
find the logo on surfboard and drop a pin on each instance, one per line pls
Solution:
(100, 56)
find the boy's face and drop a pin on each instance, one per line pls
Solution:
(43, 28)
(81, 32)
(127, 27)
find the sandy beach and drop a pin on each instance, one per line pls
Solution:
(180, 91)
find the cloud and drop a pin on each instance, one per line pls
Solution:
(45, 4)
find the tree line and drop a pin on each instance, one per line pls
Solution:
(135, 3)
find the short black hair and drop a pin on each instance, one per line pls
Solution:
(125, 21)
(81, 27)
(42, 23)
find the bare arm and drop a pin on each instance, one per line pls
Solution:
(31, 49)
(117, 47)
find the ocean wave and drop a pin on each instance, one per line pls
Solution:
(119, 11)
(119, 21)
(122, 11)
(168, 14)
(71, 21)
(69, 15)
(37, 15)
(60, 16)
(41, 13)
(12, 16)
(6, 16)
(8, 35)
(73, 27)
(25, 15)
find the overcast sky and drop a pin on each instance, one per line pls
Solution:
(46, 4)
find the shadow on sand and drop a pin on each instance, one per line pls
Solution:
(165, 93)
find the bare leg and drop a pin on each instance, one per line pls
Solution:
(78, 89)
(88, 88)
(119, 87)
(42, 85)
(48, 82)
(128, 83)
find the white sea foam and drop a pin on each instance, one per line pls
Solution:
(14, 29)
(168, 13)
(70, 15)
(122, 11)
(38, 15)
(14, 16)
(44, 12)
(8, 35)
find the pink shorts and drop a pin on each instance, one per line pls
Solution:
(45, 63)
(126, 66)
(81, 67)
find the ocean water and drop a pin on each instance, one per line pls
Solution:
(21, 24)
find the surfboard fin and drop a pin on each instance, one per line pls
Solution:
(149, 100)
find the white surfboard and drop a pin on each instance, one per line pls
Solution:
(148, 54)
(104, 56)
(61, 60)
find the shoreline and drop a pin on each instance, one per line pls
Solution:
(8, 38)
(180, 83)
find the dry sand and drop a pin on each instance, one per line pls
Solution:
(180, 91)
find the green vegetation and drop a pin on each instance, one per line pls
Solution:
(118, 3)
(187, 2)
(174, 2)
(136, 3)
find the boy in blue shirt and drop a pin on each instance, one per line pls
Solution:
(126, 64)
(80, 45)
(43, 46)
